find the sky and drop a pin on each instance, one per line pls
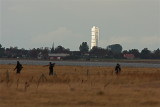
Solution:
(135, 24)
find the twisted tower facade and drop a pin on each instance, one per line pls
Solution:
(95, 36)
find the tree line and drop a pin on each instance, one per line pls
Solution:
(113, 51)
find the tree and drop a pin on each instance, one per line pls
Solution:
(145, 54)
(98, 52)
(157, 54)
(61, 49)
(34, 53)
(84, 47)
(135, 52)
(115, 48)
(45, 52)
(125, 52)
(2, 51)
(12, 52)
(52, 49)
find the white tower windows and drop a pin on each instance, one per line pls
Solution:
(95, 36)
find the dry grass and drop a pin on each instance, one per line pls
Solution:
(79, 86)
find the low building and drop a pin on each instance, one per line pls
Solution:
(129, 56)
(57, 56)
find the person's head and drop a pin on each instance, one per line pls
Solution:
(17, 62)
(50, 62)
(118, 64)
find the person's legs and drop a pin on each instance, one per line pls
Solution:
(18, 71)
(54, 73)
(51, 72)
(117, 72)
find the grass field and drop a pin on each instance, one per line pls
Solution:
(79, 86)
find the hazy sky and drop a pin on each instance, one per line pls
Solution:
(135, 24)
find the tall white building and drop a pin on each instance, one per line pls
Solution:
(95, 36)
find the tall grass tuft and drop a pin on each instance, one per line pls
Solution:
(7, 77)
(26, 85)
(31, 79)
(42, 78)
(17, 83)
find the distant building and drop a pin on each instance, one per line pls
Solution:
(129, 56)
(57, 56)
(95, 36)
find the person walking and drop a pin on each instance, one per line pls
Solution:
(18, 67)
(51, 68)
(118, 69)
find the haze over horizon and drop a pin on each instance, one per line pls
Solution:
(135, 24)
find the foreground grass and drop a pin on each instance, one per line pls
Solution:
(79, 86)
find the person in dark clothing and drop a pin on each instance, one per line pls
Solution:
(18, 67)
(51, 70)
(51, 66)
(117, 69)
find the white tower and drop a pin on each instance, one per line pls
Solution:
(95, 36)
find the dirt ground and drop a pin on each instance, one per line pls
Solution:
(79, 86)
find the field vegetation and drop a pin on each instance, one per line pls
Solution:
(79, 86)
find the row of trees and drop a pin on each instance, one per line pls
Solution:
(115, 51)
(111, 51)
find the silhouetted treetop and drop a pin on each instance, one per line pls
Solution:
(115, 48)
(60, 49)
(84, 47)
